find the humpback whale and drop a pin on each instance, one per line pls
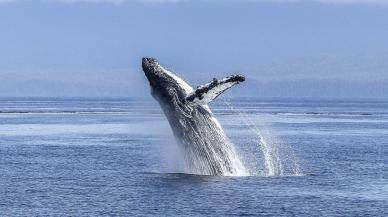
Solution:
(206, 148)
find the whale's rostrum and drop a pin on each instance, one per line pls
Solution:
(206, 148)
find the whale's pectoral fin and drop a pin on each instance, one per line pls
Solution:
(208, 92)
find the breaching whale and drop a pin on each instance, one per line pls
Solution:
(206, 148)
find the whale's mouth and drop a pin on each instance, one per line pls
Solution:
(154, 73)
(149, 61)
(150, 68)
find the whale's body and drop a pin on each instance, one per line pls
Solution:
(206, 148)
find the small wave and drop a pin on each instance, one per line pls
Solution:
(63, 112)
(255, 112)
(329, 113)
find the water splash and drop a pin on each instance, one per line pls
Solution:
(205, 148)
(278, 158)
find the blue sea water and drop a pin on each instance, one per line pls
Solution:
(89, 157)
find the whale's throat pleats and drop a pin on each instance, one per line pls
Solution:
(203, 143)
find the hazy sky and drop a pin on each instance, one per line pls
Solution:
(288, 48)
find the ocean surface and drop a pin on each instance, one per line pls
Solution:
(89, 157)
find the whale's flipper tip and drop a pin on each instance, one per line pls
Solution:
(239, 78)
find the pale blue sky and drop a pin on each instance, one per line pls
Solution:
(286, 48)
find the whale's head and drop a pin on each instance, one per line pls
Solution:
(165, 85)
